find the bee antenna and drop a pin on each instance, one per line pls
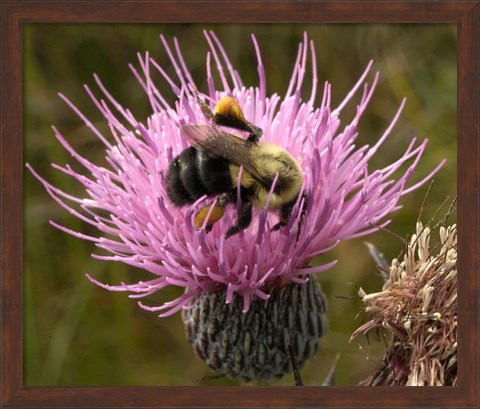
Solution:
(202, 104)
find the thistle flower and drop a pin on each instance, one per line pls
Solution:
(418, 306)
(127, 201)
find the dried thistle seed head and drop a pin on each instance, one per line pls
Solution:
(418, 305)
(255, 344)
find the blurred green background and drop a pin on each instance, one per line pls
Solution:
(79, 334)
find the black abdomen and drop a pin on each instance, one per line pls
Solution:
(193, 174)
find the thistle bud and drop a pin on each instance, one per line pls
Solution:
(255, 344)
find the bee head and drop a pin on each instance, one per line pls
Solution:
(227, 112)
(229, 107)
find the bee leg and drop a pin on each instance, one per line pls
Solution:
(243, 221)
(286, 211)
(224, 199)
(208, 228)
(255, 133)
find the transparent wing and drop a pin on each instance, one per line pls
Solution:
(217, 143)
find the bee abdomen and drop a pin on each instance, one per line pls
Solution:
(193, 174)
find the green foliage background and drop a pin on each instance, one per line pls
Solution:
(79, 334)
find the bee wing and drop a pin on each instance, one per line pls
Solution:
(218, 143)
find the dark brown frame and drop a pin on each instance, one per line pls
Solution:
(465, 14)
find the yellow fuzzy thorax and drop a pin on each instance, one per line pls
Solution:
(266, 160)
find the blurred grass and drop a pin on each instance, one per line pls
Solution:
(78, 334)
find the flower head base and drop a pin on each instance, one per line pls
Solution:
(418, 305)
(263, 343)
(143, 229)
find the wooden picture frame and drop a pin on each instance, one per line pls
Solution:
(465, 14)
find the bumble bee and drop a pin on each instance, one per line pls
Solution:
(211, 167)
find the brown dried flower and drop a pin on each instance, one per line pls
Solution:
(418, 306)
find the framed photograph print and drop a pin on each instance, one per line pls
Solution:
(239, 204)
